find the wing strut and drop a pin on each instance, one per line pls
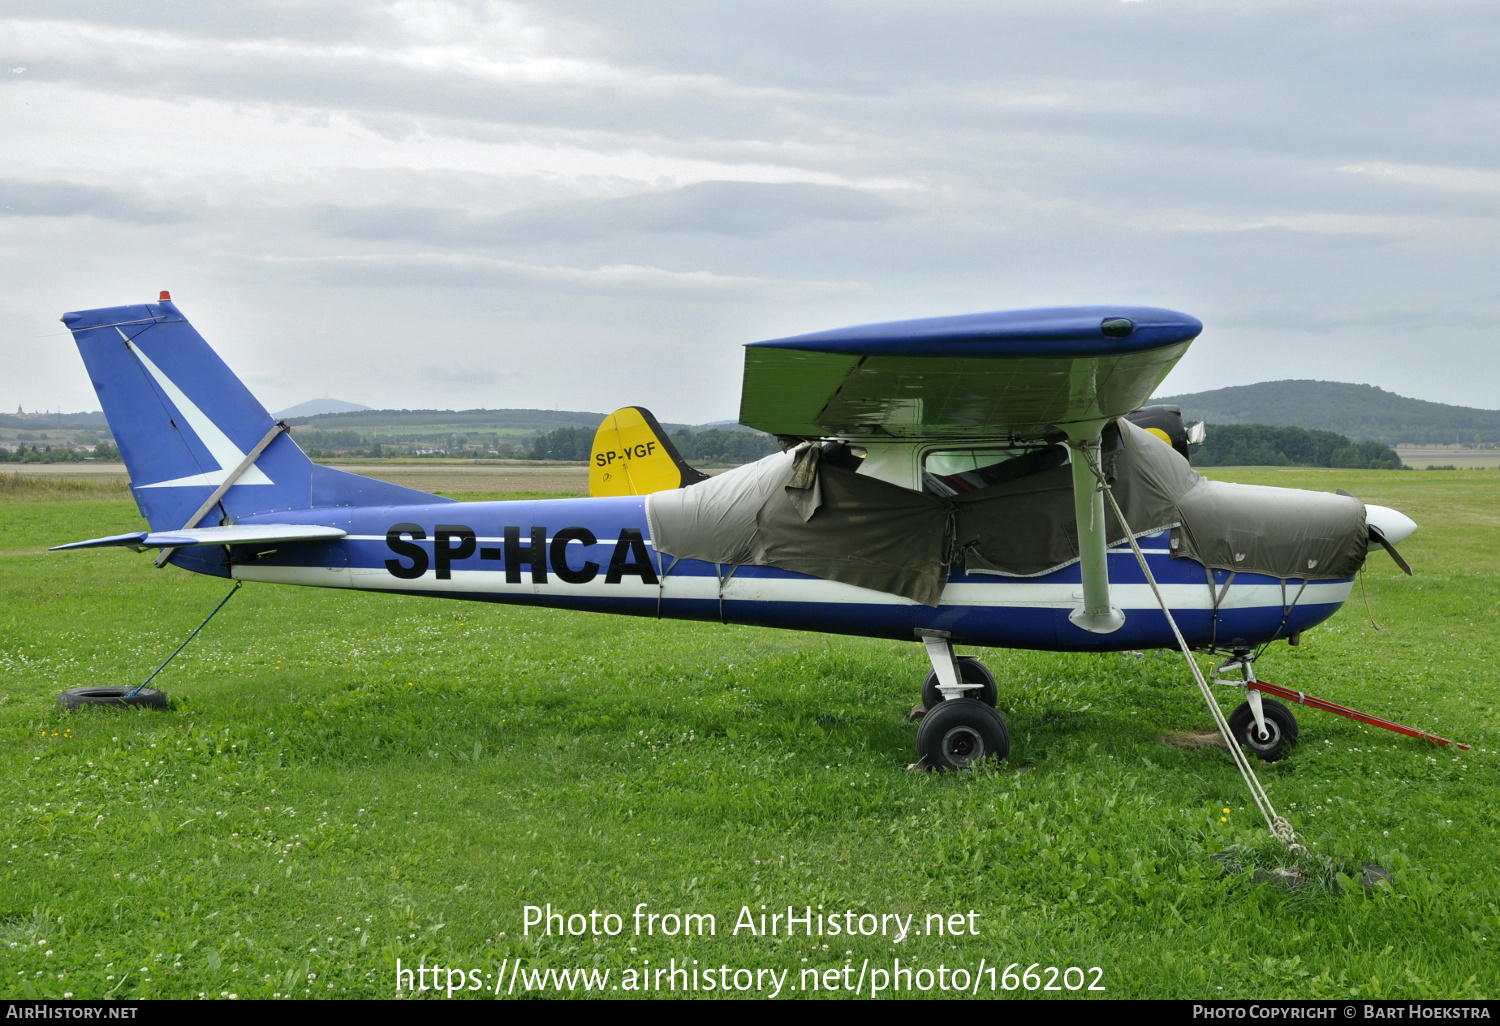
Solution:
(1096, 614)
(233, 476)
(1280, 827)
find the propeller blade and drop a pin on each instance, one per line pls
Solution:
(1390, 521)
(1376, 536)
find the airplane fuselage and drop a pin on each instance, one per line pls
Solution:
(597, 554)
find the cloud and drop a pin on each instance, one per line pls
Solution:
(427, 60)
(1384, 320)
(23, 198)
(1321, 181)
(463, 271)
(1460, 178)
(746, 209)
(464, 377)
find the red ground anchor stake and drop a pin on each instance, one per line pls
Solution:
(1287, 695)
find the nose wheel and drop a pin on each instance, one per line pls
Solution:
(1279, 735)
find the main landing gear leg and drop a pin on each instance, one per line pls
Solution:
(944, 664)
(958, 731)
(974, 680)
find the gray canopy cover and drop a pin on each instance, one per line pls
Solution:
(796, 512)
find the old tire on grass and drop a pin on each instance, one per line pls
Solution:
(146, 698)
(960, 732)
(970, 671)
(1281, 725)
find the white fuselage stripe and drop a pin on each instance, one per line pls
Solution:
(525, 539)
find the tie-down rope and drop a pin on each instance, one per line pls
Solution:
(137, 689)
(1280, 828)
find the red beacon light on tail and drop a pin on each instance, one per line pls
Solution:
(166, 297)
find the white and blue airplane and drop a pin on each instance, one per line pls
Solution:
(941, 483)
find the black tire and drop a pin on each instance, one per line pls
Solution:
(146, 698)
(970, 671)
(960, 732)
(1280, 723)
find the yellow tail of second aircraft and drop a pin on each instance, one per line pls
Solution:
(633, 456)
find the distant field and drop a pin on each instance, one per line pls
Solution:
(1461, 459)
(346, 779)
(429, 475)
(496, 476)
(101, 469)
(20, 487)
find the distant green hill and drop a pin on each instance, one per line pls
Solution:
(424, 421)
(464, 433)
(1363, 413)
(449, 432)
(66, 421)
(53, 429)
(316, 407)
(541, 434)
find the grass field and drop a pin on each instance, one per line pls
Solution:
(348, 779)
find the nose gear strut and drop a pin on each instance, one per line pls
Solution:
(1244, 661)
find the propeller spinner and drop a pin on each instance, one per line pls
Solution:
(1387, 527)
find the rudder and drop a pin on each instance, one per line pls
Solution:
(156, 377)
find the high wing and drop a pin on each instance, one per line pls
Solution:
(1059, 373)
(234, 534)
(1020, 373)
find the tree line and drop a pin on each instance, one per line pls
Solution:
(470, 445)
(1261, 445)
(709, 447)
(46, 453)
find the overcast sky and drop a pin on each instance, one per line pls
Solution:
(590, 205)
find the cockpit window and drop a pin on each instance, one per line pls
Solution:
(955, 471)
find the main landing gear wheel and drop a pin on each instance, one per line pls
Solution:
(1281, 729)
(970, 671)
(960, 732)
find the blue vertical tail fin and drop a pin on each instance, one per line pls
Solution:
(184, 422)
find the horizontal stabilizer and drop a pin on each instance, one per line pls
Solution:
(235, 534)
(136, 540)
